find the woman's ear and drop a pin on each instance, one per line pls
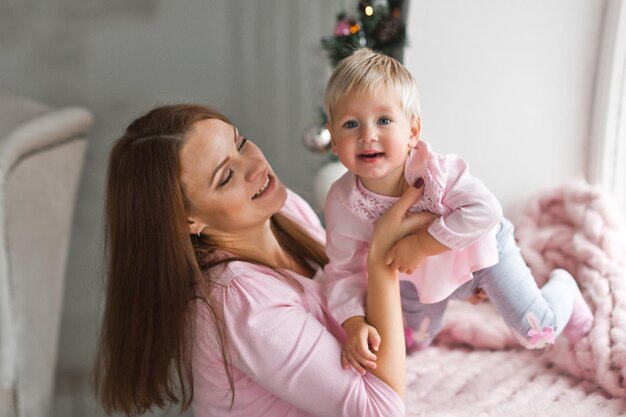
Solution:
(195, 227)
(415, 130)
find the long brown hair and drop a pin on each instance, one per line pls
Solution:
(155, 268)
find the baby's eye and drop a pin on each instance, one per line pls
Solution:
(350, 124)
(384, 121)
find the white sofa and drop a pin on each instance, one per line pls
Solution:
(41, 154)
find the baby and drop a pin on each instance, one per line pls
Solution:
(372, 107)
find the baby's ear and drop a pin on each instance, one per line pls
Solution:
(333, 144)
(416, 128)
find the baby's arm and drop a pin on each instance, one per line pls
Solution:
(410, 251)
(346, 284)
(471, 211)
(471, 208)
(345, 273)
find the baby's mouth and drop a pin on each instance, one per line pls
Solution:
(371, 155)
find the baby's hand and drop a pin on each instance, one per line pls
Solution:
(362, 340)
(405, 255)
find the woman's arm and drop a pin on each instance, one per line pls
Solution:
(384, 310)
(280, 344)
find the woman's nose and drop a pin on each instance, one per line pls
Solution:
(254, 168)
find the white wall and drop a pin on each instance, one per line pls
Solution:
(608, 151)
(509, 86)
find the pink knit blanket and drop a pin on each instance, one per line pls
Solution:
(576, 228)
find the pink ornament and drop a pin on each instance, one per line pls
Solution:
(342, 28)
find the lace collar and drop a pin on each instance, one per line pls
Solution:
(369, 206)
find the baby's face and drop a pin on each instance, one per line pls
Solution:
(372, 135)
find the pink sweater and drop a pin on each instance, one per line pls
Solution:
(284, 346)
(469, 214)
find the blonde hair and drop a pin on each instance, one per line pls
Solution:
(365, 71)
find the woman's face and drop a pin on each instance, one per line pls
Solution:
(228, 182)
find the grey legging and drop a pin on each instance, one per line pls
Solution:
(526, 309)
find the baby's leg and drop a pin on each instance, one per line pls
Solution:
(423, 321)
(536, 315)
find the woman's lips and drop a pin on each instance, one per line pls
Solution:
(266, 188)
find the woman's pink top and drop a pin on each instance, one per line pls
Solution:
(284, 347)
(469, 215)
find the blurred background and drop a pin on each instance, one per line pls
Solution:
(511, 75)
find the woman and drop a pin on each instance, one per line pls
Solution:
(213, 293)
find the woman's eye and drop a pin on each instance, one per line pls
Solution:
(384, 121)
(227, 179)
(242, 144)
(350, 124)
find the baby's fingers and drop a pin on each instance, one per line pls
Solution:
(365, 363)
(374, 339)
(389, 257)
(345, 363)
(353, 361)
(364, 354)
(391, 261)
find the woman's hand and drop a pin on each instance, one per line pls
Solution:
(397, 223)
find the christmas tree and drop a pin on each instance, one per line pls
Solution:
(375, 24)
